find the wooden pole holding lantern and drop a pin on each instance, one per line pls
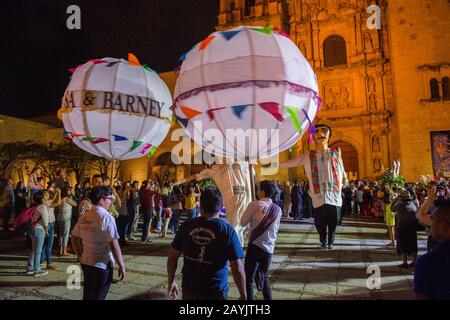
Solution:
(112, 171)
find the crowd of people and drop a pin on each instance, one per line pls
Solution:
(96, 212)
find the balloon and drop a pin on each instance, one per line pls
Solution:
(116, 109)
(246, 78)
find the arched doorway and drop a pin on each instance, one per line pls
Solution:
(349, 157)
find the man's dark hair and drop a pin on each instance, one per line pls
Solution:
(105, 177)
(39, 179)
(58, 172)
(95, 176)
(65, 191)
(325, 126)
(268, 187)
(38, 197)
(99, 193)
(442, 211)
(211, 200)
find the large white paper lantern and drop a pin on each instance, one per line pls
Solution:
(244, 78)
(116, 109)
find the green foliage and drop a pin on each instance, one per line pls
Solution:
(208, 183)
(388, 178)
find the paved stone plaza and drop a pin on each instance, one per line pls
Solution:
(299, 269)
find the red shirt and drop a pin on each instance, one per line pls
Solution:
(148, 197)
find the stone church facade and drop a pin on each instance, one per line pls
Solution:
(375, 84)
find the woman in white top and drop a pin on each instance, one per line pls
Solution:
(39, 232)
(53, 202)
(64, 220)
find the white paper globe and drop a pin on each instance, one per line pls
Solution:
(240, 70)
(119, 101)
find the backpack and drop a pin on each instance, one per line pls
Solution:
(25, 216)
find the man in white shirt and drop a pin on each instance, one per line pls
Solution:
(95, 242)
(264, 218)
(326, 175)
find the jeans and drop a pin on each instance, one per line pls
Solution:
(97, 282)
(131, 217)
(297, 210)
(191, 213)
(257, 261)
(37, 238)
(48, 244)
(134, 222)
(347, 207)
(123, 223)
(148, 215)
(308, 207)
(7, 212)
(63, 232)
(174, 223)
(359, 208)
(158, 217)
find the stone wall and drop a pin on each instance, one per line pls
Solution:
(420, 42)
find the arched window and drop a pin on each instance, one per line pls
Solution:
(445, 88)
(248, 7)
(334, 51)
(434, 89)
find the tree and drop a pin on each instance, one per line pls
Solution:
(14, 155)
(73, 159)
(103, 166)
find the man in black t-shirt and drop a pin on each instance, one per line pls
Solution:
(207, 244)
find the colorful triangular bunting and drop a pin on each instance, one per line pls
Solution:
(228, 35)
(299, 145)
(312, 129)
(145, 148)
(152, 152)
(99, 140)
(89, 138)
(96, 61)
(237, 110)
(110, 64)
(189, 112)
(133, 60)
(310, 136)
(282, 33)
(205, 43)
(210, 112)
(136, 144)
(184, 122)
(119, 138)
(73, 69)
(148, 68)
(74, 134)
(266, 30)
(293, 114)
(273, 108)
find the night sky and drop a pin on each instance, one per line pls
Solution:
(37, 48)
